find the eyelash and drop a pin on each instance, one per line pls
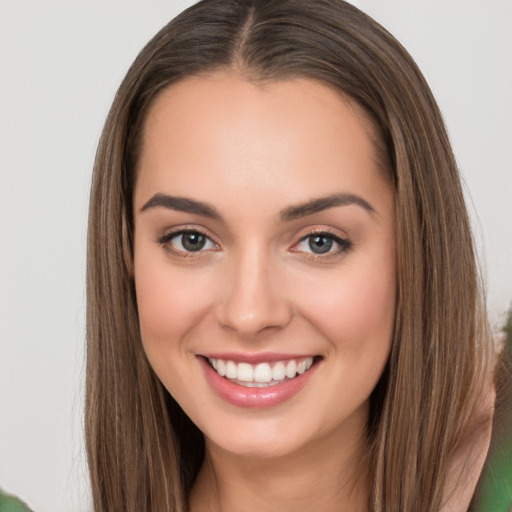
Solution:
(343, 244)
(165, 242)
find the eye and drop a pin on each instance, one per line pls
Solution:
(187, 241)
(323, 243)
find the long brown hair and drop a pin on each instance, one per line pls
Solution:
(143, 451)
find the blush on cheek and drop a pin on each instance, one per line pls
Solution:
(355, 310)
(169, 303)
(153, 304)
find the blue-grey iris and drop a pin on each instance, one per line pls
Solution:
(320, 244)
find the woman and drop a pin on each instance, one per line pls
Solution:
(283, 305)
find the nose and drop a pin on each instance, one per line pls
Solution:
(252, 301)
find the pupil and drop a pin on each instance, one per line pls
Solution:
(193, 241)
(320, 244)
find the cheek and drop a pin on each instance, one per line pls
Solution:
(170, 308)
(355, 308)
(156, 301)
(169, 302)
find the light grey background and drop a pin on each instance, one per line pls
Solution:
(60, 64)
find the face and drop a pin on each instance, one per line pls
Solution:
(264, 260)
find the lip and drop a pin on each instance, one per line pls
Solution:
(255, 358)
(252, 398)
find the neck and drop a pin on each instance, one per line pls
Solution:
(329, 476)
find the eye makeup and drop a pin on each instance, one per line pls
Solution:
(187, 242)
(317, 245)
(322, 243)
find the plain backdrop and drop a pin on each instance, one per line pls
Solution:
(60, 65)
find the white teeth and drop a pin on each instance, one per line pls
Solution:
(291, 369)
(221, 367)
(259, 384)
(262, 374)
(279, 371)
(245, 372)
(231, 371)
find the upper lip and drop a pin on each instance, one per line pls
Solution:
(254, 358)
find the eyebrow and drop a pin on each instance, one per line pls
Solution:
(324, 203)
(187, 205)
(181, 204)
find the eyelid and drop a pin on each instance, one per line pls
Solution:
(165, 239)
(343, 242)
(170, 231)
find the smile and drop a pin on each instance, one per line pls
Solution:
(258, 381)
(263, 374)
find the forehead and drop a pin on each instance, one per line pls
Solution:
(291, 133)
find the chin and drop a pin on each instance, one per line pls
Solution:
(260, 444)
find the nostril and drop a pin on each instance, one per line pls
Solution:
(250, 320)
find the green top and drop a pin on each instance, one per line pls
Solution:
(11, 504)
(496, 483)
(494, 490)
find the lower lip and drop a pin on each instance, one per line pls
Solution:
(251, 398)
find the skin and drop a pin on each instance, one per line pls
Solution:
(250, 152)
